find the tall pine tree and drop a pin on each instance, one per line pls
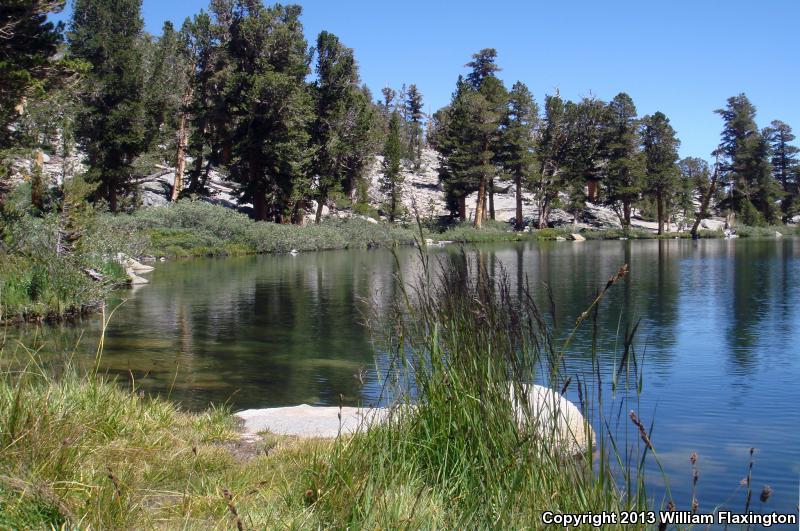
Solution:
(624, 165)
(270, 107)
(552, 155)
(111, 125)
(414, 117)
(337, 94)
(392, 178)
(785, 166)
(517, 142)
(661, 156)
(745, 163)
(585, 124)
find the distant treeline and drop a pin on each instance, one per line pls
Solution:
(233, 89)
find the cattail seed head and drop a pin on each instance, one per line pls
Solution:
(642, 430)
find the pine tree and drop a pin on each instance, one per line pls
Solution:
(695, 172)
(552, 154)
(205, 53)
(467, 135)
(414, 117)
(28, 41)
(389, 97)
(745, 163)
(585, 158)
(661, 155)
(517, 141)
(270, 108)
(336, 93)
(785, 166)
(443, 137)
(483, 80)
(110, 128)
(392, 179)
(165, 80)
(683, 197)
(450, 135)
(483, 65)
(363, 141)
(624, 165)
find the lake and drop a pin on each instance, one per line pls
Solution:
(719, 341)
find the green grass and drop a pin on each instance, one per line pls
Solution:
(767, 232)
(37, 282)
(82, 452)
(37, 288)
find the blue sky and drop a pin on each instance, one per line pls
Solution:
(683, 58)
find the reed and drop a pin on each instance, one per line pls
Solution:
(454, 453)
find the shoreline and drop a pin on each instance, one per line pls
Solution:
(180, 238)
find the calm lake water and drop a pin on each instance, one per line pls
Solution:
(719, 340)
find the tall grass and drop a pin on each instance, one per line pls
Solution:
(456, 452)
(78, 451)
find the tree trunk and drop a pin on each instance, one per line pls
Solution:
(544, 213)
(462, 208)
(298, 215)
(194, 178)
(112, 195)
(180, 165)
(591, 190)
(704, 205)
(320, 205)
(660, 208)
(519, 223)
(260, 205)
(480, 203)
(626, 212)
(491, 199)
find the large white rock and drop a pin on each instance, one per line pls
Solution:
(310, 421)
(577, 237)
(712, 224)
(552, 416)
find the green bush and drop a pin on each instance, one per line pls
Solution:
(194, 228)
